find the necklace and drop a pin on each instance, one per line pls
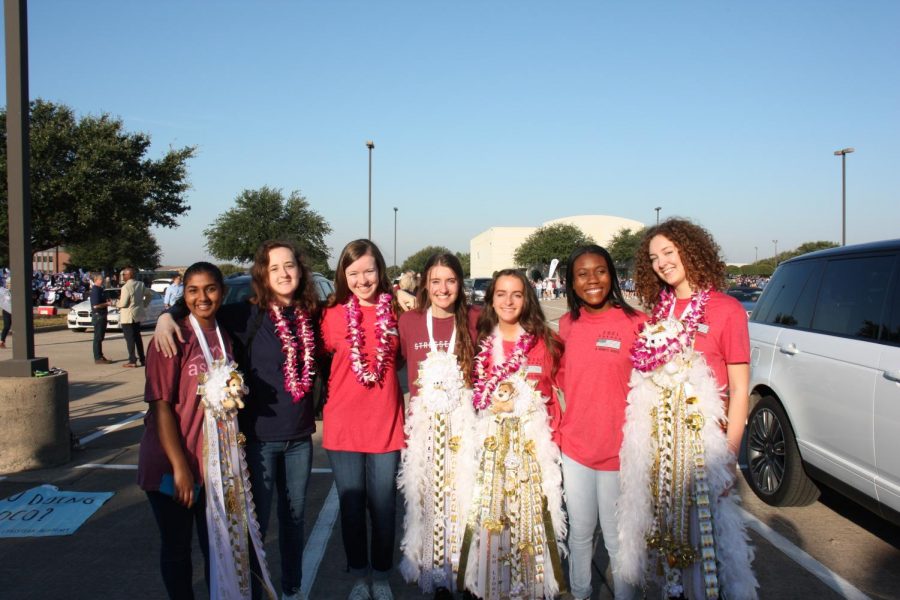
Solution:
(663, 336)
(486, 384)
(385, 323)
(297, 380)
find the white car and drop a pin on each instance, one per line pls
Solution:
(825, 383)
(79, 317)
(160, 285)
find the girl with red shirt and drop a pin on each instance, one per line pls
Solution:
(598, 332)
(684, 422)
(518, 490)
(363, 418)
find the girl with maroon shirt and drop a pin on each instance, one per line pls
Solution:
(436, 471)
(598, 332)
(515, 393)
(363, 418)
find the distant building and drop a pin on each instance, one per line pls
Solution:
(53, 260)
(493, 250)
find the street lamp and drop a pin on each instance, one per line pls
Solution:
(776, 251)
(395, 236)
(371, 146)
(657, 209)
(755, 253)
(843, 154)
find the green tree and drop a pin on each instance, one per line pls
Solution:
(231, 268)
(265, 214)
(133, 245)
(416, 262)
(549, 242)
(466, 260)
(623, 247)
(393, 272)
(90, 178)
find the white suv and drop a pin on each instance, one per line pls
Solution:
(825, 383)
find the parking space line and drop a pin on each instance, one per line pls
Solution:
(110, 428)
(107, 466)
(319, 471)
(820, 571)
(318, 540)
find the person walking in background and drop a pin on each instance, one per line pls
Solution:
(132, 305)
(173, 292)
(6, 306)
(406, 293)
(100, 304)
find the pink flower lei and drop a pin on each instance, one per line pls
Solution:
(663, 336)
(297, 380)
(484, 385)
(385, 322)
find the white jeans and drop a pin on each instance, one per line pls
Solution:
(591, 495)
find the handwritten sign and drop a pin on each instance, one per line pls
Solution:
(45, 511)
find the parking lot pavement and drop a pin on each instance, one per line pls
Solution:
(114, 554)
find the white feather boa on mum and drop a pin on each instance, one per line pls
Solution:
(639, 447)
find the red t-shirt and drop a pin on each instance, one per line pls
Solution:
(723, 338)
(540, 369)
(174, 380)
(596, 370)
(357, 418)
(414, 339)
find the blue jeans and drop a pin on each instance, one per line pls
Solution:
(591, 495)
(362, 480)
(175, 528)
(281, 469)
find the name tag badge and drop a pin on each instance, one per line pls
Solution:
(609, 344)
(703, 328)
(535, 369)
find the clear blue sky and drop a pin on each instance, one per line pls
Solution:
(502, 113)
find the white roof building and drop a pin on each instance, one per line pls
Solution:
(493, 250)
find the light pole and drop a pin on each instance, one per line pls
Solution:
(371, 146)
(755, 254)
(395, 236)
(657, 209)
(843, 154)
(776, 251)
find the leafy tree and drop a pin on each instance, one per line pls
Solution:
(133, 245)
(90, 179)
(808, 247)
(265, 214)
(394, 272)
(231, 268)
(549, 242)
(466, 260)
(623, 247)
(416, 262)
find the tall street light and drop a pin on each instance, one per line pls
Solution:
(657, 209)
(843, 154)
(395, 236)
(755, 253)
(776, 251)
(371, 146)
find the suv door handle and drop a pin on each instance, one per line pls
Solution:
(790, 349)
(892, 375)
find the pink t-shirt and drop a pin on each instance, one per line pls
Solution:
(357, 418)
(723, 338)
(174, 380)
(596, 370)
(414, 339)
(540, 369)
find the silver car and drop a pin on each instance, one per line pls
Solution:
(80, 314)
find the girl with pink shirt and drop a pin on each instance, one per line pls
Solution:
(684, 423)
(511, 547)
(363, 419)
(598, 332)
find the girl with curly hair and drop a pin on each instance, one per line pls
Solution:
(511, 548)
(684, 422)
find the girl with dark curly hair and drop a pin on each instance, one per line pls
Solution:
(684, 422)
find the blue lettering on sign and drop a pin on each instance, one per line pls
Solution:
(44, 510)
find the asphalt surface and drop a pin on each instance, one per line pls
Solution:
(114, 554)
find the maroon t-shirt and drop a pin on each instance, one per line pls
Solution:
(414, 339)
(174, 380)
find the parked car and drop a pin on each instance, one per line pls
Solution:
(79, 317)
(160, 285)
(479, 287)
(240, 288)
(747, 296)
(825, 383)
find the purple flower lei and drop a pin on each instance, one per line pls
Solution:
(484, 385)
(297, 381)
(647, 356)
(385, 321)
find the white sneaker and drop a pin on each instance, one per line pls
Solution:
(381, 590)
(298, 595)
(360, 591)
